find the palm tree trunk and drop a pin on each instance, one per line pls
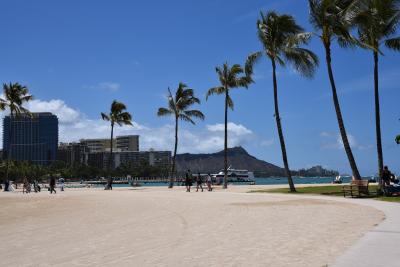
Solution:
(226, 141)
(378, 118)
(280, 132)
(171, 180)
(110, 162)
(346, 144)
(10, 146)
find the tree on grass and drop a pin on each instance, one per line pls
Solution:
(377, 23)
(281, 38)
(332, 19)
(179, 105)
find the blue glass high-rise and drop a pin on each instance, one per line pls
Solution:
(32, 138)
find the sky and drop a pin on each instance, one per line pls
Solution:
(77, 56)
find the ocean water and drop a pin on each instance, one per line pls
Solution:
(266, 181)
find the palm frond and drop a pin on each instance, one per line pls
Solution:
(185, 117)
(164, 112)
(194, 113)
(215, 91)
(251, 60)
(105, 117)
(229, 102)
(393, 43)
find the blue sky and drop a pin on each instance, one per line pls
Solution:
(77, 56)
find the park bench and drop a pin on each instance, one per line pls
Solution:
(357, 188)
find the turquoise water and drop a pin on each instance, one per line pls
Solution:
(267, 181)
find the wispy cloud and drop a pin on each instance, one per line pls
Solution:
(334, 141)
(388, 79)
(105, 86)
(254, 14)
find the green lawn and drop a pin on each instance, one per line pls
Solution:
(330, 190)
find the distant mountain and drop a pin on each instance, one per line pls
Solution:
(238, 158)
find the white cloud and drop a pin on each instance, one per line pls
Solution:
(106, 86)
(66, 115)
(237, 129)
(75, 125)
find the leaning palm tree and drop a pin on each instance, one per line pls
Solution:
(332, 18)
(377, 22)
(281, 38)
(15, 95)
(118, 115)
(178, 107)
(230, 78)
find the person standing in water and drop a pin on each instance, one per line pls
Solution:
(199, 183)
(52, 185)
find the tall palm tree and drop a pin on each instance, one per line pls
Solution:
(178, 107)
(377, 22)
(15, 96)
(230, 78)
(281, 38)
(332, 18)
(117, 115)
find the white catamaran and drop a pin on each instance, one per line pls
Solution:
(235, 175)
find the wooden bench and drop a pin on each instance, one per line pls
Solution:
(357, 188)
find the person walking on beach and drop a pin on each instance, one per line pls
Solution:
(61, 181)
(6, 185)
(52, 185)
(209, 182)
(188, 180)
(26, 188)
(199, 183)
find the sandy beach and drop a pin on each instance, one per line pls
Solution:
(161, 227)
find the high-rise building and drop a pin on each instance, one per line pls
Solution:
(72, 153)
(128, 143)
(97, 145)
(31, 137)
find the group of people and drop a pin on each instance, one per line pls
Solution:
(28, 186)
(199, 181)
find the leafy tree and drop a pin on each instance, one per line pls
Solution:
(179, 107)
(281, 38)
(377, 23)
(231, 78)
(117, 115)
(15, 95)
(332, 19)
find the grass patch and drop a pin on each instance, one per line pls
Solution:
(330, 190)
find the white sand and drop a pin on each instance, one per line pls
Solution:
(161, 227)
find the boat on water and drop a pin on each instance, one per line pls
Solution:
(337, 180)
(235, 175)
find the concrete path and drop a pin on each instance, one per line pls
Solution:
(380, 246)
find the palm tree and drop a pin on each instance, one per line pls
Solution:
(377, 22)
(398, 139)
(178, 107)
(118, 115)
(15, 95)
(281, 38)
(332, 18)
(230, 78)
